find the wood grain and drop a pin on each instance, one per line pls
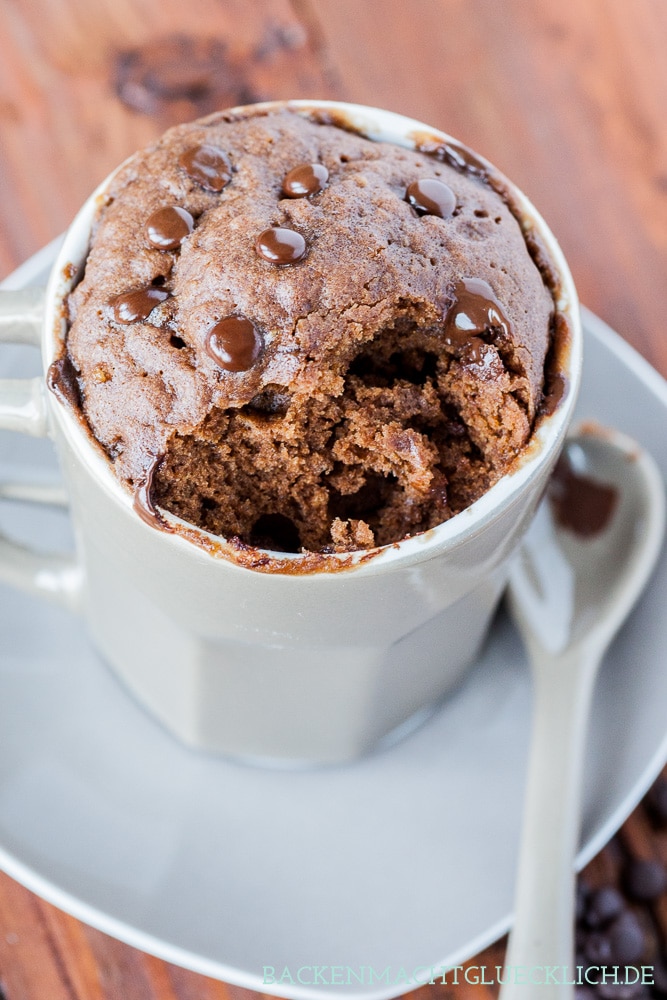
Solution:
(63, 125)
(570, 99)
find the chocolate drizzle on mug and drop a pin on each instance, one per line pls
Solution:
(580, 504)
(144, 504)
(554, 391)
(556, 384)
(62, 380)
(463, 159)
(474, 311)
(455, 154)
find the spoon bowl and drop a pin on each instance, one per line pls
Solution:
(581, 568)
(584, 562)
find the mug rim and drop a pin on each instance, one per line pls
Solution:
(545, 440)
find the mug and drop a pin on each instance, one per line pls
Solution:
(275, 657)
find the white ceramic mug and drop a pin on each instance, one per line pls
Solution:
(312, 666)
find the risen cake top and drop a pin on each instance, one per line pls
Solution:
(273, 293)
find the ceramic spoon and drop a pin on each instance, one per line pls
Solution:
(584, 562)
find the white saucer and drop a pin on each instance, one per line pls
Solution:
(403, 860)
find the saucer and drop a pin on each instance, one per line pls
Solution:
(405, 859)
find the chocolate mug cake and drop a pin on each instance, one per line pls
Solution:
(299, 338)
(304, 339)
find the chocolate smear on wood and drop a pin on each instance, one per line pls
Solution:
(179, 77)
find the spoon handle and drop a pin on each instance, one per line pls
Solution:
(541, 945)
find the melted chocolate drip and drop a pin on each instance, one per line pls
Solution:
(580, 504)
(306, 180)
(280, 246)
(463, 159)
(234, 344)
(474, 311)
(429, 196)
(167, 228)
(62, 380)
(144, 505)
(454, 154)
(138, 304)
(556, 385)
(208, 166)
(553, 394)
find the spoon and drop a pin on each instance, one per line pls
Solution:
(583, 564)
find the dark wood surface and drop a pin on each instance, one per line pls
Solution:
(569, 99)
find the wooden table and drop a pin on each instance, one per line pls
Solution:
(569, 99)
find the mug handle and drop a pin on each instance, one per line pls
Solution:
(23, 408)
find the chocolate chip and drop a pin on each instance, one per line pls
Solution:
(660, 976)
(474, 311)
(431, 197)
(603, 906)
(309, 178)
(138, 304)
(656, 800)
(167, 228)
(598, 949)
(234, 343)
(626, 937)
(208, 166)
(583, 890)
(645, 880)
(621, 990)
(280, 246)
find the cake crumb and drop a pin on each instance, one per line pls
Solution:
(347, 536)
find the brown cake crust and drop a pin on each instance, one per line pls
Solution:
(361, 420)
